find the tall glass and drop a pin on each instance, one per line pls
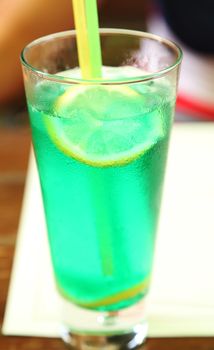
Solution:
(101, 149)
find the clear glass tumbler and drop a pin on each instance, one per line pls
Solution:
(101, 149)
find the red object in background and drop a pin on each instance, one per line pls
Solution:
(194, 108)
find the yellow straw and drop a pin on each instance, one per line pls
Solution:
(90, 61)
(88, 40)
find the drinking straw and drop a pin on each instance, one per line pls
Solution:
(90, 61)
(88, 39)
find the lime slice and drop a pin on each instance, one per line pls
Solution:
(104, 125)
(140, 288)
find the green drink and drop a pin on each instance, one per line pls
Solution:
(101, 171)
(101, 149)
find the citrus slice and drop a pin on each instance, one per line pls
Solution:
(140, 288)
(104, 125)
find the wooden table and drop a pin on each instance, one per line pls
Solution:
(14, 149)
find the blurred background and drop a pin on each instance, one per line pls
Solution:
(190, 23)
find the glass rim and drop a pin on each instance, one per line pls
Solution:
(135, 79)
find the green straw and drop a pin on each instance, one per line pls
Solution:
(88, 39)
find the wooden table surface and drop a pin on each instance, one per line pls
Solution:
(14, 150)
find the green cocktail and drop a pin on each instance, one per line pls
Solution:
(101, 149)
(101, 155)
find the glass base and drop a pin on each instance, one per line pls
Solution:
(125, 341)
(116, 330)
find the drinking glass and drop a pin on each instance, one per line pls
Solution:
(101, 150)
